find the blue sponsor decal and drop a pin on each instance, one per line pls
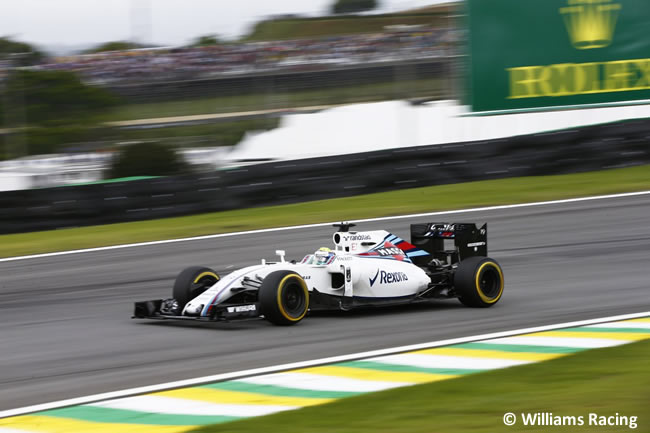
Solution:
(372, 280)
(392, 277)
(388, 277)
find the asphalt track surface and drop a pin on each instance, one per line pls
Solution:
(65, 327)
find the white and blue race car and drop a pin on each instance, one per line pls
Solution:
(363, 269)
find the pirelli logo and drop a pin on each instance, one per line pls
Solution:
(568, 79)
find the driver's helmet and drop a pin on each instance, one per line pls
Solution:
(323, 256)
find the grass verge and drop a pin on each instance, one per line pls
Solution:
(416, 200)
(398, 89)
(210, 134)
(602, 381)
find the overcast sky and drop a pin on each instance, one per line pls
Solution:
(169, 22)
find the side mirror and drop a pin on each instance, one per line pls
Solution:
(280, 253)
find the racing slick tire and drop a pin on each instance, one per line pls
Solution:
(191, 282)
(479, 282)
(284, 298)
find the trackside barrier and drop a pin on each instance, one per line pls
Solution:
(274, 82)
(569, 151)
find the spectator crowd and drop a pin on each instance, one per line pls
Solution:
(396, 43)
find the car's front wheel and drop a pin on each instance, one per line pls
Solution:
(284, 298)
(479, 282)
(191, 282)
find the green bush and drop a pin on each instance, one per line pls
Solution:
(50, 109)
(351, 6)
(22, 54)
(147, 159)
(113, 46)
(206, 41)
(54, 98)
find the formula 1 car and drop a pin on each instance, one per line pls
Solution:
(371, 268)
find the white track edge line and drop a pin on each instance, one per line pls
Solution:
(304, 226)
(304, 364)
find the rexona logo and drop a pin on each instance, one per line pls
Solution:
(590, 23)
(388, 277)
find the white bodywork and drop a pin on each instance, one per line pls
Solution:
(346, 271)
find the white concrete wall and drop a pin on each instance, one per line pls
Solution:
(392, 124)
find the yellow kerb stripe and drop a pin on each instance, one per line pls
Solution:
(49, 424)
(236, 397)
(377, 375)
(644, 320)
(595, 334)
(494, 354)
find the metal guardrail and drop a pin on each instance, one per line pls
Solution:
(570, 151)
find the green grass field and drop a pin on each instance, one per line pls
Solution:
(417, 200)
(209, 134)
(602, 381)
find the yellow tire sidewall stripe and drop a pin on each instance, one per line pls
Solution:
(279, 297)
(482, 295)
(206, 274)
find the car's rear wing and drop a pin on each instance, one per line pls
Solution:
(449, 242)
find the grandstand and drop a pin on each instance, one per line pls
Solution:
(395, 44)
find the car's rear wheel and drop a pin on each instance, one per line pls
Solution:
(479, 282)
(284, 298)
(191, 282)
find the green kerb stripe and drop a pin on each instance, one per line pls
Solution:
(630, 330)
(518, 348)
(121, 416)
(278, 390)
(407, 368)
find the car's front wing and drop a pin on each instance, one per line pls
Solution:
(153, 310)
